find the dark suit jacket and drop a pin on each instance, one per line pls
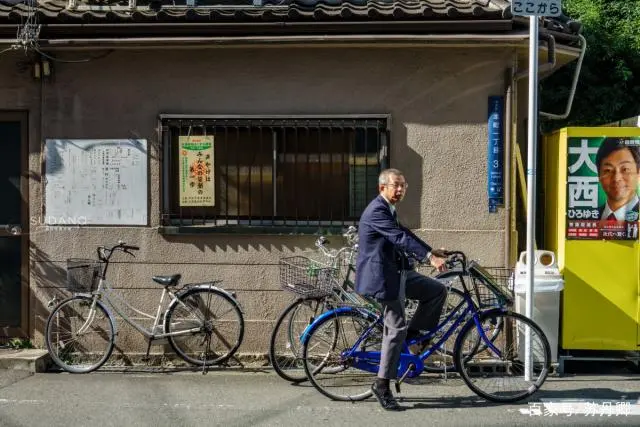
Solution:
(382, 246)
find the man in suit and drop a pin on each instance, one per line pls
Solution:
(382, 272)
(618, 165)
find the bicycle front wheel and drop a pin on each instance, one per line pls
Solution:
(326, 362)
(205, 326)
(80, 334)
(497, 372)
(285, 347)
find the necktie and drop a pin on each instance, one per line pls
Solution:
(611, 217)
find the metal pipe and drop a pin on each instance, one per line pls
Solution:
(508, 128)
(532, 129)
(513, 39)
(551, 56)
(574, 84)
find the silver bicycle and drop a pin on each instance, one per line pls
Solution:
(203, 323)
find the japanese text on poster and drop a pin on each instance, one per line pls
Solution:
(96, 181)
(602, 188)
(196, 171)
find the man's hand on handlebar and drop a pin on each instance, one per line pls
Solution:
(438, 259)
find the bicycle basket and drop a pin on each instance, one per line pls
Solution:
(306, 277)
(493, 286)
(82, 275)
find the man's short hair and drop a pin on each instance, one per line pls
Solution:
(609, 145)
(383, 178)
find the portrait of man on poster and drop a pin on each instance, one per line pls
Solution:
(618, 165)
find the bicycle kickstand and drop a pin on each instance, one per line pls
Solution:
(403, 377)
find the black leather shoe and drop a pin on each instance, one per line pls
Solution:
(386, 399)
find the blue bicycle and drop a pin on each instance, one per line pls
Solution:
(341, 348)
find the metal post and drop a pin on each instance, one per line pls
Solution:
(531, 182)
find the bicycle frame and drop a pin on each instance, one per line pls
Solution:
(409, 365)
(118, 303)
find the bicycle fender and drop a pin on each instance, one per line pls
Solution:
(480, 313)
(335, 312)
(211, 285)
(106, 307)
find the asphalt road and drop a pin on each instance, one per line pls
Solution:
(144, 397)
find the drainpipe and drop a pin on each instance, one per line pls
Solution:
(574, 84)
(508, 129)
(551, 56)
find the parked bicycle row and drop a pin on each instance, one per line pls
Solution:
(328, 335)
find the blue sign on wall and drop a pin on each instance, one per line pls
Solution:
(495, 157)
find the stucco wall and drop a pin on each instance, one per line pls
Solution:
(437, 99)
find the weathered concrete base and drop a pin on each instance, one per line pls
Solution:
(32, 360)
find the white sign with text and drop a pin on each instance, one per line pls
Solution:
(536, 7)
(102, 181)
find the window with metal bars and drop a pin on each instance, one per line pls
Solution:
(271, 174)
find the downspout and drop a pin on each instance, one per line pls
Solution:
(551, 57)
(574, 84)
(508, 129)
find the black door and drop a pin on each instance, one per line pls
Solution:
(13, 288)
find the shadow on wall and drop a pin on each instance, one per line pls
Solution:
(49, 289)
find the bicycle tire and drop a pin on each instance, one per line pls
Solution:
(188, 301)
(487, 369)
(55, 344)
(314, 369)
(287, 361)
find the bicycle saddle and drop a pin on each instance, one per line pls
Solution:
(167, 280)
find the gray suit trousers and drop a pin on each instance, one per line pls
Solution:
(431, 295)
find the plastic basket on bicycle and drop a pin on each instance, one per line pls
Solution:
(82, 274)
(499, 290)
(306, 277)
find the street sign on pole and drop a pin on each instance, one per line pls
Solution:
(533, 9)
(536, 8)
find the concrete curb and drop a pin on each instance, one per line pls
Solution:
(31, 360)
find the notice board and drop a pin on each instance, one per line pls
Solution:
(96, 182)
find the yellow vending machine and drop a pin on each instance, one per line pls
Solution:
(591, 209)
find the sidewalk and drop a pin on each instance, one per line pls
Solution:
(142, 397)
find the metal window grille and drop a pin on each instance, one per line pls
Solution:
(302, 173)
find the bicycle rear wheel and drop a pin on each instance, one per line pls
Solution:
(80, 334)
(496, 373)
(285, 347)
(331, 372)
(215, 322)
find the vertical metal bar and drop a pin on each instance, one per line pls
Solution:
(274, 172)
(343, 150)
(166, 170)
(283, 153)
(329, 150)
(295, 175)
(204, 209)
(181, 219)
(237, 175)
(250, 166)
(378, 144)
(354, 153)
(317, 201)
(366, 161)
(308, 169)
(226, 161)
(261, 177)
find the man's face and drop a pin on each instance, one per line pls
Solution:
(619, 177)
(395, 189)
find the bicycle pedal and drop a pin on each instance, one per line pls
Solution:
(397, 384)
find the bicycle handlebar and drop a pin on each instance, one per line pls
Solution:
(102, 250)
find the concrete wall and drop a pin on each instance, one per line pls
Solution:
(437, 99)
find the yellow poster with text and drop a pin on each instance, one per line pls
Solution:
(196, 171)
